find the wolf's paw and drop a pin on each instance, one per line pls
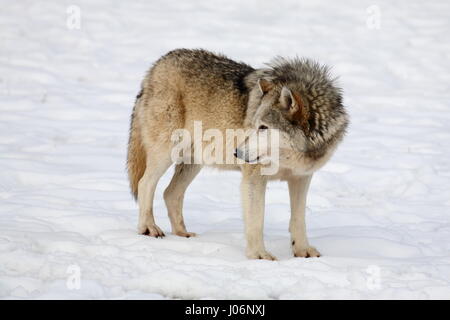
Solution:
(305, 252)
(260, 254)
(151, 230)
(185, 234)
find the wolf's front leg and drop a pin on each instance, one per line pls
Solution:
(253, 190)
(298, 189)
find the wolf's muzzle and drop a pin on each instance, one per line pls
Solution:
(238, 153)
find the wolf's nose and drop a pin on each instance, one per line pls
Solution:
(238, 153)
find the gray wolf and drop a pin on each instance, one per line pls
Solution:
(296, 96)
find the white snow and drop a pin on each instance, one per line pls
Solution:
(379, 212)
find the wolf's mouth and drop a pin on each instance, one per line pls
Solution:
(239, 154)
(253, 161)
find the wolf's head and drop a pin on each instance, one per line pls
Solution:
(299, 99)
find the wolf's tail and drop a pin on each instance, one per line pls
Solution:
(136, 159)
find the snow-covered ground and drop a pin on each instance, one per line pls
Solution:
(379, 212)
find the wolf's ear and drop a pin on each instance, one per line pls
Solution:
(289, 101)
(264, 85)
(293, 104)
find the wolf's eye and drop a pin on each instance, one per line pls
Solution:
(263, 127)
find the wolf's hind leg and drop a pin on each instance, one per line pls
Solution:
(156, 166)
(298, 189)
(174, 196)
